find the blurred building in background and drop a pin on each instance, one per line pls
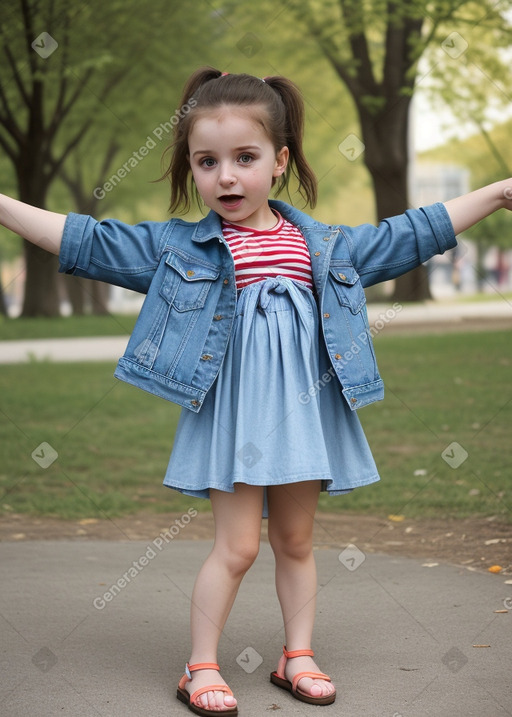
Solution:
(456, 271)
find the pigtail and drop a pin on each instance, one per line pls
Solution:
(178, 170)
(294, 106)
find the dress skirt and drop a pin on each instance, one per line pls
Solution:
(275, 413)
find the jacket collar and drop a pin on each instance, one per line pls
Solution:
(211, 226)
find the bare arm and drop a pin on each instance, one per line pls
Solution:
(475, 206)
(39, 226)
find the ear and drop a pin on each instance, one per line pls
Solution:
(282, 158)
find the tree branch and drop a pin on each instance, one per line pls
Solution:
(16, 74)
(29, 36)
(399, 57)
(56, 164)
(355, 23)
(63, 61)
(8, 121)
(9, 151)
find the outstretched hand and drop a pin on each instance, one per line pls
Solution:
(507, 194)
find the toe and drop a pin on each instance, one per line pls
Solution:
(316, 691)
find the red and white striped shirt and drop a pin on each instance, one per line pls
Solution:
(262, 253)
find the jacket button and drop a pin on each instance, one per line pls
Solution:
(190, 272)
(206, 357)
(337, 356)
(217, 317)
(326, 238)
(342, 277)
(317, 253)
(194, 403)
(226, 281)
(326, 316)
(353, 400)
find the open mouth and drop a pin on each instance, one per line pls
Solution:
(230, 200)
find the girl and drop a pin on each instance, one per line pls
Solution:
(254, 322)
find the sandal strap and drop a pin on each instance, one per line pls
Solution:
(297, 653)
(192, 668)
(203, 666)
(209, 688)
(312, 675)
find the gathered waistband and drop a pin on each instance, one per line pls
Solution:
(269, 294)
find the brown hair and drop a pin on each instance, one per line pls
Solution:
(283, 120)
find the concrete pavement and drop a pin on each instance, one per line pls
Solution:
(88, 629)
(384, 318)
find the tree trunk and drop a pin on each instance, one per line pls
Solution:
(100, 292)
(74, 291)
(385, 136)
(86, 295)
(3, 306)
(41, 296)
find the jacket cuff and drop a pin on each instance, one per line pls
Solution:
(72, 237)
(442, 226)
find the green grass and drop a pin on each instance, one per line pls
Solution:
(66, 327)
(440, 389)
(113, 441)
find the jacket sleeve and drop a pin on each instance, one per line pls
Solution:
(112, 251)
(400, 243)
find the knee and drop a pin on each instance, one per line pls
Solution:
(290, 544)
(238, 557)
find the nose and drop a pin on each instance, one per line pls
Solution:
(227, 176)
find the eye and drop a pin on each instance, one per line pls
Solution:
(245, 158)
(207, 162)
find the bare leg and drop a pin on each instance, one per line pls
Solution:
(237, 535)
(290, 530)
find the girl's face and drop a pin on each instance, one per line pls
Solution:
(233, 163)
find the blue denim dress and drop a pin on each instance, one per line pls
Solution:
(275, 413)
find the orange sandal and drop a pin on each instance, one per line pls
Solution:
(190, 699)
(278, 678)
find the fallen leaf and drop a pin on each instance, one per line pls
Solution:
(501, 612)
(420, 472)
(494, 541)
(495, 569)
(87, 521)
(396, 518)
(430, 565)
(508, 582)
(481, 645)
(18, 536)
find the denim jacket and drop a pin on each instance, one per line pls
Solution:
(187, 271)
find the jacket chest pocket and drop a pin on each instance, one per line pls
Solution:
(187, 282)
(347, 286)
